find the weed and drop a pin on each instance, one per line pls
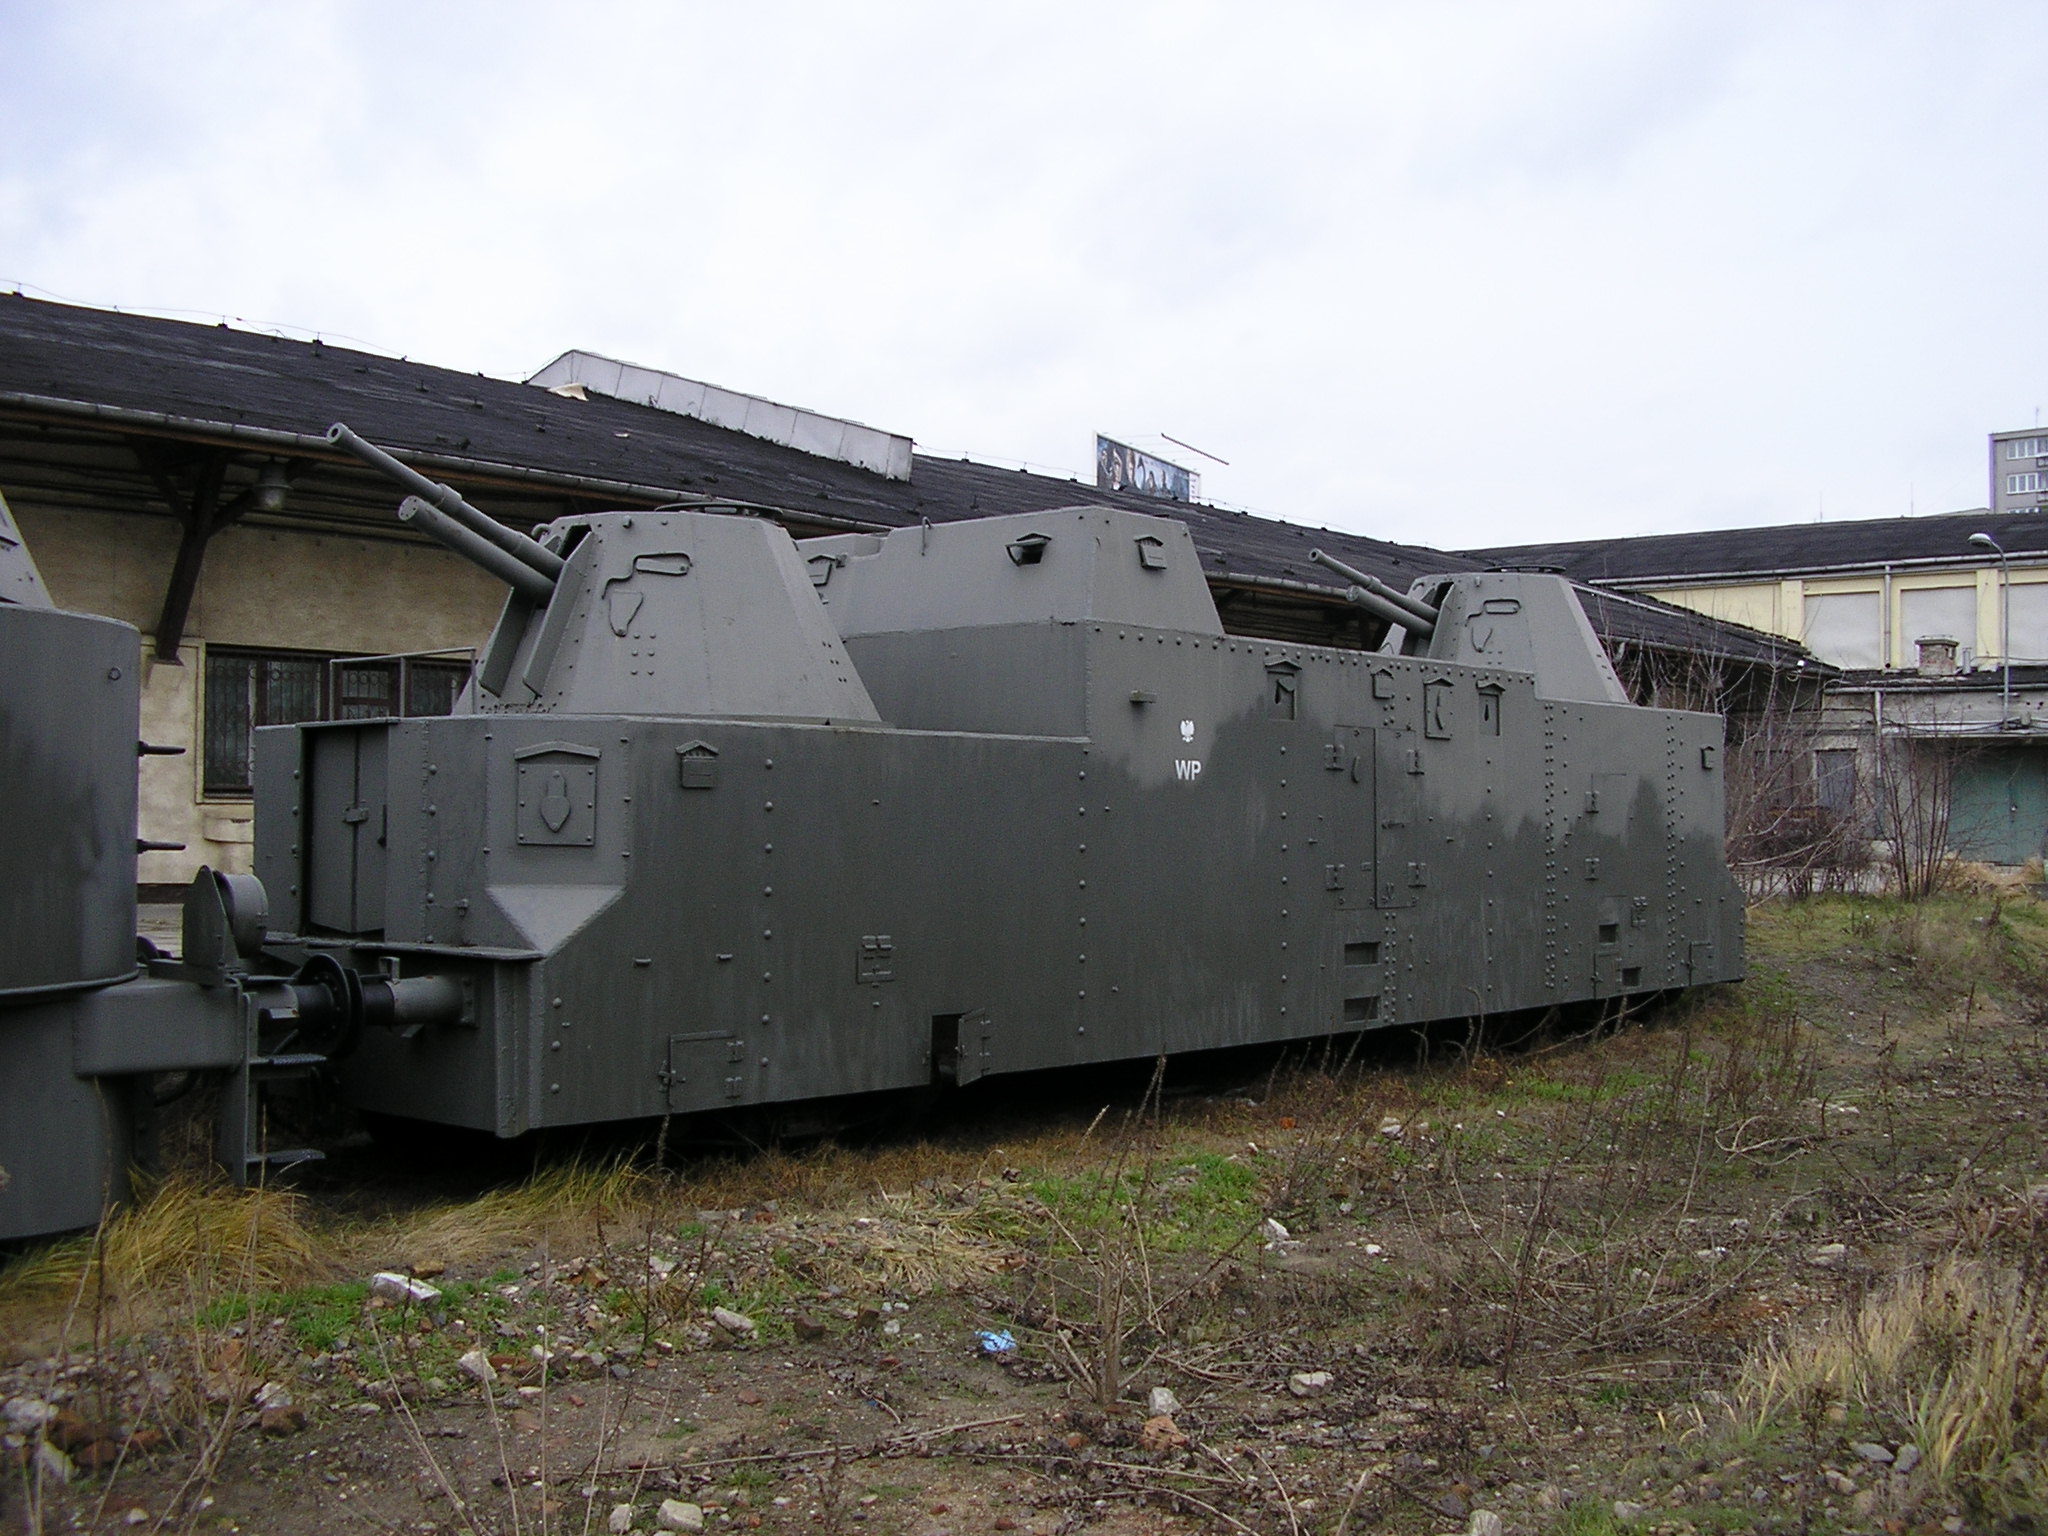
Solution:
(1589, 1517)
(1953, 1358)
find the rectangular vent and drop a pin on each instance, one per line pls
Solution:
(1361, 1010)
(1362, 954)
(1610, 933)
(1631, 975)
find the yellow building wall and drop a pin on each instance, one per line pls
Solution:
(263, 587)
(1779, 606)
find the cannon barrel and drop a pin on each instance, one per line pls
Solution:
(515, 573)
(1376, 597)
(444, 499)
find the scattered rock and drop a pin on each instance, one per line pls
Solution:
(1908, 1458)
(620, 1520)
(272, 1394)
(808, 1327)
(1454, 1505)
(393, 1286)
(1625, 1509)
(738, 1324)
(1162, 1403)
(1485, 1523)
(284, 1419)
(96, 1456)
(429, 1269)
(675, 1515)
(1309, 1383)
(1829, 1255)
(135, 1516)
(1276, 1233)
(70, 1433)
(1870, 1450)
(1160, 1435)
(1865, 1504)
(478, 1365)
(24, 1415)
(748, 1396)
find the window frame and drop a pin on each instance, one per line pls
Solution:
(325, 671)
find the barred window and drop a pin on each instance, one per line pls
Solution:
(248, 689)
(245, 689)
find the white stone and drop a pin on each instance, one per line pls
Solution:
(26, 1414)
(1485, 1523)
(1908, 1458)
(53, 1463)
(1162, 1403)
(1309, 1383)
(620, 1520)
(1624, 1509)
(273, 1394)
(1276, 1233)
(736, 1323)
(1828, 1255)
(675, 1515)
(477, 1364)
(1870, 1450)
(393, 1286)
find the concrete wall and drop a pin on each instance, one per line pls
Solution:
(267, 587)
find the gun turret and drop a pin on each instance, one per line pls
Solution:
(1380, 600)
(437, 510)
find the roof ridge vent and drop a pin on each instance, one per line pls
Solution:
(828, 437)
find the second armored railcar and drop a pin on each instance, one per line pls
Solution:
(730, 820)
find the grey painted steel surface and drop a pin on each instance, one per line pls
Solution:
(82, 1029)
(731, 821)
(739, 822)
(70, 696)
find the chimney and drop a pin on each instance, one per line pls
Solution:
(1937, 655)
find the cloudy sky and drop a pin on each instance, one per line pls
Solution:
(1454, 272)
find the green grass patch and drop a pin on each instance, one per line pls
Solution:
(1205, 1200)
(318, 1315)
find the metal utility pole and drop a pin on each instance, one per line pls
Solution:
(1985, 541)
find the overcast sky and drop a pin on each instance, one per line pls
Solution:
(1455, 273)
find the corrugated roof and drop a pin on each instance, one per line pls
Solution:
(59, 360)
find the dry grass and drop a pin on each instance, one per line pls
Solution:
(908, 1248)
(1953, 1358)
(182, 1229)
(555, 1205)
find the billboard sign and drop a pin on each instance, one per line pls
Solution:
(1120, 467)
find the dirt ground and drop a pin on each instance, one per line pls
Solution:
(1758, 1260)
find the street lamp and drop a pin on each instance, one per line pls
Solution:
(1985, 541)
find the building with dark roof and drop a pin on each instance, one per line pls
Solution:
(179, 476)
(1938, 627)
